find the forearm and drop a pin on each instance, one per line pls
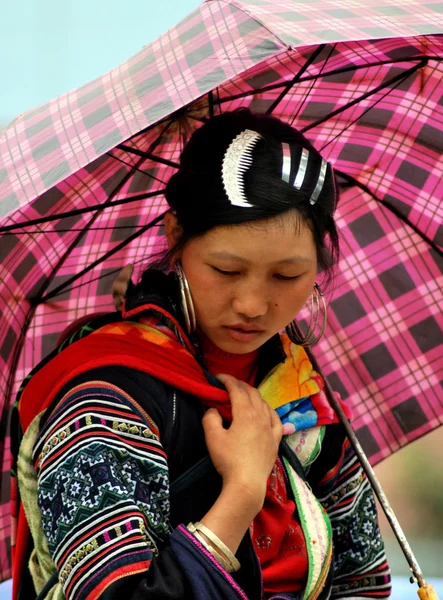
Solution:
(231, 515)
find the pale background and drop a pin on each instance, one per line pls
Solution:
(48, 47)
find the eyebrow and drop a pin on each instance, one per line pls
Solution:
(286, 261)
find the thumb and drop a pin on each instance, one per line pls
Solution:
(212, 421)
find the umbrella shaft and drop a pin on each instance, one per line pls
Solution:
(387, 509)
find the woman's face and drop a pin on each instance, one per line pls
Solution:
(249, 281)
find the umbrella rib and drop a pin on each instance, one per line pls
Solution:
(39, 297)
(276, 86)
(147, 129)
(202, 120)
(295, 79)
(70, 230)
(34, 302)
(351, 123)
(104, 275)
(137, 152)
(132, 167)
(305, 98)
(382, 86)
(97, 207)
(107, 255)
(392, 208)
(211, 104)
(79, 211)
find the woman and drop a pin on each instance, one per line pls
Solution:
(119, 494)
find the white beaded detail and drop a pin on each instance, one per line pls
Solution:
(237, 160)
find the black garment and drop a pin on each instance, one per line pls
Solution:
(178, 417)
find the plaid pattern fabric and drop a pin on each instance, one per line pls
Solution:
(383, 347)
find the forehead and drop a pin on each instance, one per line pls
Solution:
(274, 240)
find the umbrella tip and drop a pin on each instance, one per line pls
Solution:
(427, 592)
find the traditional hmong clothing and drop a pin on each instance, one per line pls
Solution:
(113, 464)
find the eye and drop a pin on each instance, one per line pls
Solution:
(228, 273)
(284, 278)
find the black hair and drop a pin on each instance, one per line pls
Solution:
(197, 196)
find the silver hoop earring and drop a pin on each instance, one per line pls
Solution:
(186, 299)
(318, 305)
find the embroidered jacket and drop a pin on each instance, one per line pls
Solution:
(114, 454)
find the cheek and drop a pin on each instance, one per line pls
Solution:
(307, 286)
(207, 293)
(294, 300)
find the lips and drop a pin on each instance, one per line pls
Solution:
(243, 334)
(246, 328)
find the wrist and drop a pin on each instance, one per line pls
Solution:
(233, 512)
(248, 496)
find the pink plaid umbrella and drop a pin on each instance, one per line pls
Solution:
(81, 182)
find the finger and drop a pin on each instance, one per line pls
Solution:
(257, 400)
(212, 422)
(240, 398)
(238, 390)
(288, 428)
(276, 425)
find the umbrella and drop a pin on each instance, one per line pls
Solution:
(82, 180)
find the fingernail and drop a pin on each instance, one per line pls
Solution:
(288, 429)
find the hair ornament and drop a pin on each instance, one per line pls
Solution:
(286, 166)
(320, 182)
(301, 172)
(302, 168)
(237, 160)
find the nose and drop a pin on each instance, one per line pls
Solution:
(251, 301)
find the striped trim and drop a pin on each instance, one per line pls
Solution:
(306, 444)
(360, 568)
(217, 565)
(317, 531)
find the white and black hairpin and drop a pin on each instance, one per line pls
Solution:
(237, 160)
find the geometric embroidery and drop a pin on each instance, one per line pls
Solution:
(357, 537)
(95, 478)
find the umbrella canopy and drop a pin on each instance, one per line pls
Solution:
(82, 180)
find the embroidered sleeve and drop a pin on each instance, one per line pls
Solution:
(103, 493)
(103, 490)
(360, 566)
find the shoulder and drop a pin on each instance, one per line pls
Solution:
(114, 389)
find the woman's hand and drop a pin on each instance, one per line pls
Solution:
(245, 453)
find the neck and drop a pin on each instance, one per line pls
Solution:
(240, 366)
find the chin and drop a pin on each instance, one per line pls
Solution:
(236, 348)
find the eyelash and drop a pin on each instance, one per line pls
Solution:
(233, 273)
(226, 272)
(283, 278)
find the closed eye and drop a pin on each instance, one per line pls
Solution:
(226, 272)
(284, 278)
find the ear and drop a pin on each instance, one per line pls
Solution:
(173, 229)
